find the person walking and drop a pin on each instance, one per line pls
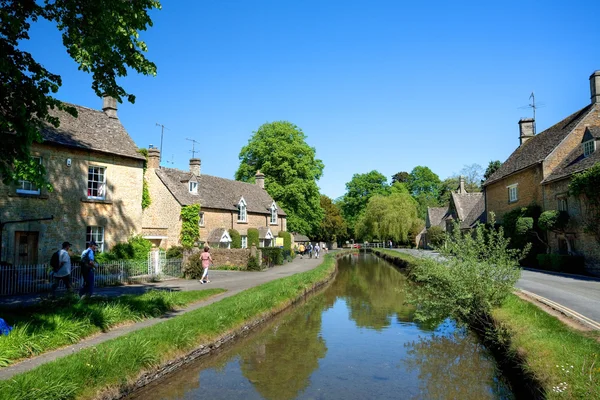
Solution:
(206, 262)
(88, 267)
(317, 250)
(310, 250)
(64, 269)
(301, 249)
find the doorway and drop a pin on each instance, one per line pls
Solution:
(26, 248)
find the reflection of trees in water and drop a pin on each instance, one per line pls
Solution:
(280, 364)
(374, 291)
(453, 365)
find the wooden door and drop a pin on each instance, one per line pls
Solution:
(26, 248)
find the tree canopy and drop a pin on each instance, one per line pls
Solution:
(401, 177)
(358, 192)
(388, 217)
(472, 174)
(491, 168)
(423, 180)
(101, 36)
(279, 150)
(333, 226)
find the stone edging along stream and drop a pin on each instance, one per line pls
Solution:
(203, 350)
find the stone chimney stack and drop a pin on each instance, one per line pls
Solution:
(595, 87)
(195, 166)
(461, 188)
(260, 179)
(153, 157)
(526, 129)
(109, 106)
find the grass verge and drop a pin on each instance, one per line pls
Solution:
(116, 363)
(566, 362)
(55, 323)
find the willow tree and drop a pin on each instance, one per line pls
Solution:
(388, 217)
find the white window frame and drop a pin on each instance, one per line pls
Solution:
(23, 184)
(562, 203)
(193, 187)
(589, 147)
(95, 233)
(244, 241)
(101, 188)
(513, 193)
(201, 218)
(242, 211)
(273, 214)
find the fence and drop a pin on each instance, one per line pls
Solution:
(28, 279)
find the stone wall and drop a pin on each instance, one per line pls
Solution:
(164, 212)
(120, 213)
(228, 257)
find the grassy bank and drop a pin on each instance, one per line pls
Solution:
(116, 363)
(564, 363)
(55, 323)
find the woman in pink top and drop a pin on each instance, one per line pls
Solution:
(206, 262)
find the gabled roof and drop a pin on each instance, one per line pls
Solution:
(217, 234)
(435, 216)
(575, 162)
(591, 132)
(536, 149)
(298, 237)
(264, 233)
(470, 208)
(216, 193)
(91, 130)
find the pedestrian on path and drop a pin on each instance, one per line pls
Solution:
(310, 250)
(317, 250)
(64, 272)
(88, 267)
(301, 249)
(206, 262)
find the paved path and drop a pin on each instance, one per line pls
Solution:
(565, 292)
(233, 281)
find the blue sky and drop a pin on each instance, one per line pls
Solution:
(385, 85)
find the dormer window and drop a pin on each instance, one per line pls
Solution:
(589, 147)
(242, 212)
(273, 214)
(193, 186)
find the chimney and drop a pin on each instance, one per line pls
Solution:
(595, 87)
(260, 179)
(109, 106)
(461, 188)
(526, 129)
(153, 157)
(195, 166)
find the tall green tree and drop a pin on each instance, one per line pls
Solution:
(333, 226)
(491, 168)
(102, 37)
(387, 217)
(279, 150)
(401, 177)
(423, 180)
(358, 192)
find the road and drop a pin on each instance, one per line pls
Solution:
(580, 294)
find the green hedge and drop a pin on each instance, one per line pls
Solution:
(236, 239)
(272, 256)
(253, 237)
(287, 240)
(561, 263)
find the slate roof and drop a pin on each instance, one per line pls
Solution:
(216, 193)
(470, 208)
(298, 237)
(575, 161)
(91, 130)
(215, 235)
(262, 232)
(536, 149)
(435, 216)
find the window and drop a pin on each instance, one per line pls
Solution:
(194, 187)
(95, 233)
(201, 219)
(273, 214)
(26, 187)
(562, 204)
(96, 188)
(589, 147)
(513, 195)
(244, 242)
(242, 213)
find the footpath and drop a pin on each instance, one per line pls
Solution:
(232, 281)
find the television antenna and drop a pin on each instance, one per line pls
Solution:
(532, 105)
(193, 150)
(172, 161)
(162, 131)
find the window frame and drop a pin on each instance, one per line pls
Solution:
(242, 211)
(589, 147)
(22, 182)
(513, 189)
(562, 204)
(244, 241)
(97, 236)
(102, 183)
(201, 219)
(273, 219)
(193, 190)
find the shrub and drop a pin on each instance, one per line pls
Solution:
(272, 256)
(253, 264)
(287, 240)
(236, 239)
(175, 252)
(562, 263)
(436, 236)
(252, 237)
(193, 269)
(136, 248)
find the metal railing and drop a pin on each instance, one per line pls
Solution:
(29, 279)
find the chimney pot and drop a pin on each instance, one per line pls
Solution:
(259, 178)
(153, 158)
(195, 166)
(109, 106)
(526, 129)
(461, 188)
(595, 87)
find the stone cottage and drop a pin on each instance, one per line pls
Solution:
(97, 175)
(225, 204)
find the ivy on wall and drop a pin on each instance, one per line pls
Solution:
(587, 184)
(190, 231)
(145, 191)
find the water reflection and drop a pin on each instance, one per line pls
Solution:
(354, 340)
